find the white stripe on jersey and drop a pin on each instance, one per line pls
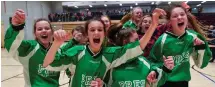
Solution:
(59, 68)
(15, 45)
(162, 42)
(198, 57)
(129, 54)
(189, 33)
(107, 64)
(110, 82)
(15, 54)
(144, 62)
(82, 53)
(23, 60)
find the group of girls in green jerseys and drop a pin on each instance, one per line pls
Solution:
(106, 55)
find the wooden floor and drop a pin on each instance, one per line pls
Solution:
(12, 75)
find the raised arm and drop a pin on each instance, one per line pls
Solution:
(131, 50)
(59, 37)
(155, 17)
(14, 37)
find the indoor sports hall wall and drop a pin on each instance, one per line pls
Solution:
(33, 10)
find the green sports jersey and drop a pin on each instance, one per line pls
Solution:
(130, 24)
(65, 47)
(134, 74)
(90, 66)
(181, 48)
(71, 69)
(30, 54)
(68, 45)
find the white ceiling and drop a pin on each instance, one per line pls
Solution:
(99, 4)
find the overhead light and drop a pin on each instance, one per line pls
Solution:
(131, 7)
(76, 6)
(186, 1)
(153, 3)
(136, 3)
(169, 2)
(91, 6)
(120, 4)
(105, 5)
(198, 5)
(203, 1)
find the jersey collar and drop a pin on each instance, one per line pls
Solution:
(175, 36)
(91, 52)
(44, 47)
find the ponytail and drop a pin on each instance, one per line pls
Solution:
(196, 25)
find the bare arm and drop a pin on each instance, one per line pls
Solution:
(51, 54)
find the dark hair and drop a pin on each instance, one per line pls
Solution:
(170, 8)
(114, 29)
(80, 29)
(123, 36)
(112, 32)
(196, 25)
(42, 19)
(91, 20)
(117, 35)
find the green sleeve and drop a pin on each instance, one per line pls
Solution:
(69, 44)
(65, 47)
(202, 53)
(126, 25)
(129, 24)
(16, 45)
(156, 59)
(156, 55)
(66, 59)
(126, 53)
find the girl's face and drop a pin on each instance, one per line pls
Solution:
(96, 34)
(178, 19)
(146, 23)
(43, 32)
(106, 22)
(133, 37)
(83, 38)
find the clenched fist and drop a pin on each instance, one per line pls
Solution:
(18, 17)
